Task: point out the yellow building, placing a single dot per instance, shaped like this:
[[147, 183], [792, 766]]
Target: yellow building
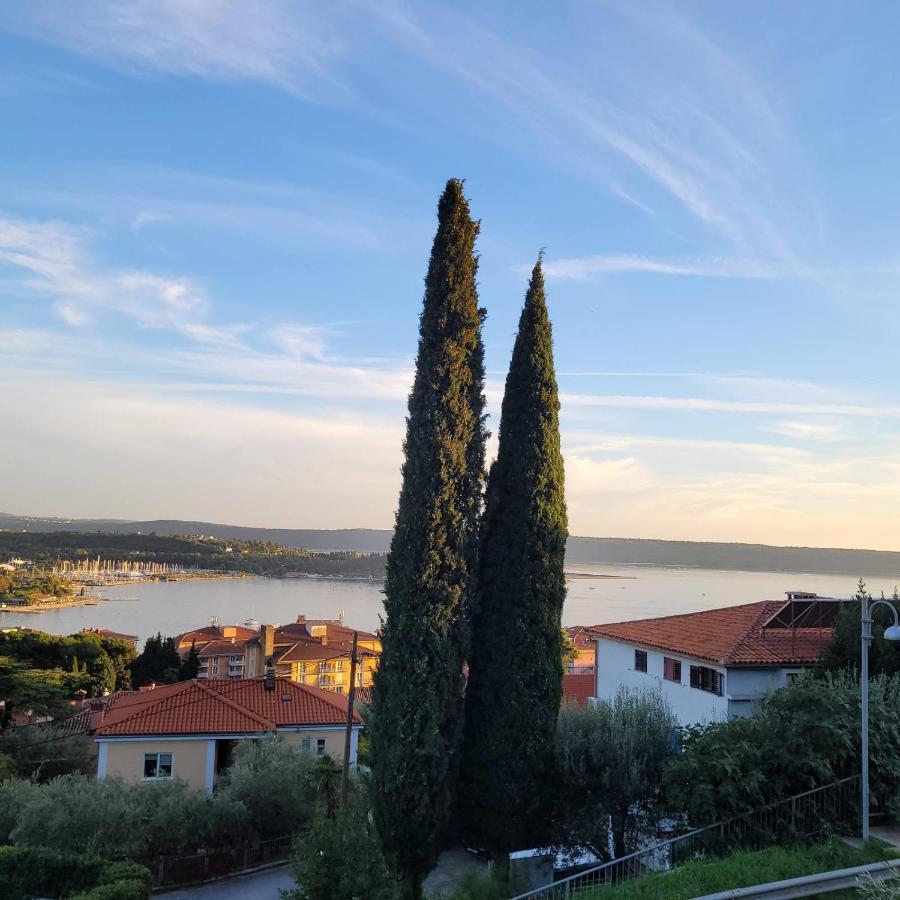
[[315, 652], [189, 730]]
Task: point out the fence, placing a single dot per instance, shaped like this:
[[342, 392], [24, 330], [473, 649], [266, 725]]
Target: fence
[[172, 871], [808, 815]]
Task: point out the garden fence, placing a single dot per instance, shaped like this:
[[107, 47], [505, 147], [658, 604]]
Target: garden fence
[[173, 871], [812, 814]]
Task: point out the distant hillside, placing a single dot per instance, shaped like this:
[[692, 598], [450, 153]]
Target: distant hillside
[[619, 551]]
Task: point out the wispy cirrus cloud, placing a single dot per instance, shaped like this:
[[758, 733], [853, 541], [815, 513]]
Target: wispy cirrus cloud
[[56, 262], [580, 268], [289, 44]]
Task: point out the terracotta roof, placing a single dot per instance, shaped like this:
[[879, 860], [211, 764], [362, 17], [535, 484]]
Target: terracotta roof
[[115, 635], [215, 633], [577, 688], [224, 647], [732, 635], [582, 636], [237, 706]]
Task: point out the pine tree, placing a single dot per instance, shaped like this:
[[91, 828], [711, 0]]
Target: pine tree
[[417, 704], [515, 677], [190, 667]]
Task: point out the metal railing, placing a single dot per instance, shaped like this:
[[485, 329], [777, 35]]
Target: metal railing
[[220, 862], [808, 815]]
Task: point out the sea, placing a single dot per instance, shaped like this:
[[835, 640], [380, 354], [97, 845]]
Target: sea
[[597, 594]]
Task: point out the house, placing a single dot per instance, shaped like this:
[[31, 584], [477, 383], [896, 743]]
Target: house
[[584, 640], [189, 730], [112, 635], [314, 652], [719, 663]]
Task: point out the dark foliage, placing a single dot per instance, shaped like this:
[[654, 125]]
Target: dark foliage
[[516, 668], [843, 652], [418, 695], [804, 736], [190, 666], [159, 662], [45, 872], [188, 551]]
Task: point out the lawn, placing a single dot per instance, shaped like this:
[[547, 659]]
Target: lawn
[[742, 870]]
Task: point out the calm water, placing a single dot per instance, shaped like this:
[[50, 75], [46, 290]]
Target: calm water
[[173, 607]]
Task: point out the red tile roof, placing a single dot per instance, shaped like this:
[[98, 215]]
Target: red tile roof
[[582, 636], [577, 688], [237, 706], [224, 647], [733, 635]]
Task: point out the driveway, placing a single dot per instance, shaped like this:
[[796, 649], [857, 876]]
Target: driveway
[[258, 886]]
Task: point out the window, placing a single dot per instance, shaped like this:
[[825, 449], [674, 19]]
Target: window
[[320, 747], [640, 660], [157, 765], [672, 669], [706, 679]]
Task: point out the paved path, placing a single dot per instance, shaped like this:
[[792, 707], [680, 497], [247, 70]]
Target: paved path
[[258, 886]]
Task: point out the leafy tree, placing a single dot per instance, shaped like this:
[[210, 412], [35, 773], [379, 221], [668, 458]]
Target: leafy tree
[[274, 782], [159, 662], [45, 692], [843, 651], [340, 857], [515, 672], [804, 736], [43, 752], [610, 764], [190, 667], [418, 694]]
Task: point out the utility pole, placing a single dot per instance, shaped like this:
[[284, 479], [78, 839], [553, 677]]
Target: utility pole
[[348, 735]]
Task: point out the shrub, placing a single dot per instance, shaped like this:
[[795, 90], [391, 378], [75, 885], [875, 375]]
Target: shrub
[[610, 760], [116, 818], [14, 797], [43, 871], [274, 783], [118, 890], [803, 736], [340, 857]]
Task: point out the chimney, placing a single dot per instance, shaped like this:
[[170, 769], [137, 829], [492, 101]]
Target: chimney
[[267, 640], [270, 674]]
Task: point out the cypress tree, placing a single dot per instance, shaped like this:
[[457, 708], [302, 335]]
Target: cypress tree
[[417, 702], [515, 677]]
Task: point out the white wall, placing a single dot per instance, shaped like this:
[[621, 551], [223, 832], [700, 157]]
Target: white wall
[[615, 668]]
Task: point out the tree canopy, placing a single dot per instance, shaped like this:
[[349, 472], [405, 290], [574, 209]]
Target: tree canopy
[[516, 669], [417, 704]]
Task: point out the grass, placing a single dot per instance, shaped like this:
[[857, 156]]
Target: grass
[[695, 879]]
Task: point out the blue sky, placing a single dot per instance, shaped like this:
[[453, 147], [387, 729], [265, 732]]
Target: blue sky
[[216, 218]]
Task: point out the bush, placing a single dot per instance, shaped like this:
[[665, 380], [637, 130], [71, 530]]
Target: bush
[[340, 857], [275, 783], [480, 887], [115, 818], [14, 797], [118, 890], [610, 761], [804, 736], [43, 871]]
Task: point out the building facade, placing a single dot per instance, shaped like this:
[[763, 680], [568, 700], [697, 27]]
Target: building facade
[[189, 730], [713, 665]]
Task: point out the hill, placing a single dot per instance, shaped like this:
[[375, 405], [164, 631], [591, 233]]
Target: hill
[[581, 550]]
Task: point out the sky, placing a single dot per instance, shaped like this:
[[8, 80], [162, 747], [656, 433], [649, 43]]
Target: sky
[[215, 219]]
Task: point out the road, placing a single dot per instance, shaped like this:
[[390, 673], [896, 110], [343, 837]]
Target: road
[[258, 886]]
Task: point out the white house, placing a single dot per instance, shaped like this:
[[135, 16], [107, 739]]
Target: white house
[[718, 663]]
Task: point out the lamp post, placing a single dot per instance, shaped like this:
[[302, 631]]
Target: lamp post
[[891, 633]]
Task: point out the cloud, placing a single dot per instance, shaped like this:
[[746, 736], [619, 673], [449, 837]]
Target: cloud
[[289, 44], [231, 461], [58, 264], [820, 432], [583, 267], [706, 404]]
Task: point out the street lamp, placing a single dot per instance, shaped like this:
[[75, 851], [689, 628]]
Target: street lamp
[[891, 633]]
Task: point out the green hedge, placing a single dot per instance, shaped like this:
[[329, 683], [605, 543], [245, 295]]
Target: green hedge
[[44, 872]]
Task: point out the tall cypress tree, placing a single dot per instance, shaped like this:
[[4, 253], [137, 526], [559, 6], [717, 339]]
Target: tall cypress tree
[[417, 702], [515, 677]]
